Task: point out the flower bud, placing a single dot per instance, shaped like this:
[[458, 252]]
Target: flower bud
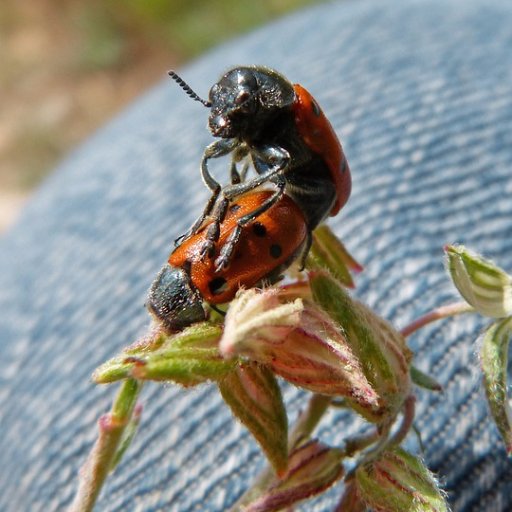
[[494, 356], [300, 343], [481, 283], [312, 468], [397, 482], [254, 396], [381, 350]]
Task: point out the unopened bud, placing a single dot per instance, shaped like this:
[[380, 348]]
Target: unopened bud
[[484, 285], [397, 482], [312, 468], [300, 343], [382, 351], [494, 355]]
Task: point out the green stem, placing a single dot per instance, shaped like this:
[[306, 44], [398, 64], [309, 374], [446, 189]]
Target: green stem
[[456, 308], [409, 411], [309, 419], [103, 454], [357, 444], [385, 441]]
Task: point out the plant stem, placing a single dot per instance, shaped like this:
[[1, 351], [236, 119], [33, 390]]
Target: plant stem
[[453, 309], [407, 422], [100, 460], [309, 419]]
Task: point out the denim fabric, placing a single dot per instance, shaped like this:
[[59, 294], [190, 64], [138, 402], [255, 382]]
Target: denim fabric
[[421, 94]]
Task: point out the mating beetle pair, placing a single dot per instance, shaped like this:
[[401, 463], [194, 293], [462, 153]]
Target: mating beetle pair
[[249, 233]]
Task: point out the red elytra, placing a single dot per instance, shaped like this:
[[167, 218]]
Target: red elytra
[[318, 133], [266, 247]]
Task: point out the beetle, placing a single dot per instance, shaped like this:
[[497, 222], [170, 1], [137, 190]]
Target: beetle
[[260, 117], [265, 248]]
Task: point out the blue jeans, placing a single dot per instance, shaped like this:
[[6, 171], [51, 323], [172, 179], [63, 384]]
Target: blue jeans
[[421, 95]]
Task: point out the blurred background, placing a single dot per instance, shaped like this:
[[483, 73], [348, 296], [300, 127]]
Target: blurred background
[[68, 65]]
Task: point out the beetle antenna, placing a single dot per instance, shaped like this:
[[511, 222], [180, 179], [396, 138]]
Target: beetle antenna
[[187, 88]]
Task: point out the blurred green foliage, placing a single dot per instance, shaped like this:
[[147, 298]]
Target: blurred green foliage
[[69, 65], [186, 27]]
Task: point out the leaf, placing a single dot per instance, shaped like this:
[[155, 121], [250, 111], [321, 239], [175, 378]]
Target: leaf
[[254, 396]]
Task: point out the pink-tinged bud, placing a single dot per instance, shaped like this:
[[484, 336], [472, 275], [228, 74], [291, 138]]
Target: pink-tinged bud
[[258, 315], [381, 350], [351, 500], [312, 468], [300, 343], [484, 285], [254, 396], [494, 356], [398, 482]]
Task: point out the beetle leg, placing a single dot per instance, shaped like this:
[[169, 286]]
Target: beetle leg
[[199, 221], [243, 172], [215, 150], [269, 162], [213, 232], [227, 250], [305, 250]]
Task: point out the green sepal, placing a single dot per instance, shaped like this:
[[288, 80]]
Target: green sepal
[[424, 380], [494, 356], [254, 397], [328, 253], [187, 358], [381, 350]]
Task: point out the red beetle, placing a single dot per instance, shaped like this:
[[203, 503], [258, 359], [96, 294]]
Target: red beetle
[[263, 119], [266, 247]]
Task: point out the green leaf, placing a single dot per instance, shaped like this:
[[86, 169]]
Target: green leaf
[[494, 355], [254, 396], [398, 481]]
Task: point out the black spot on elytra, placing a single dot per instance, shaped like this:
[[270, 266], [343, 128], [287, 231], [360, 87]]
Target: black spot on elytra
[[259, 229], [275, 251], [217, 285], [234, 207], [316, 108]]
